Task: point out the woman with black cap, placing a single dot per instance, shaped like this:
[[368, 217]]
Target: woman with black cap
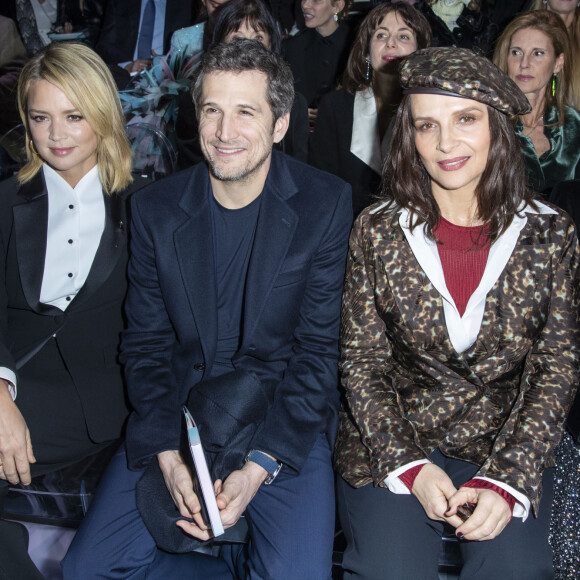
[[460, 346]]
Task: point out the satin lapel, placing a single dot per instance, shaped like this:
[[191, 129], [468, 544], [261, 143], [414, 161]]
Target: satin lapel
[[277, 223], [110, 250], [195, 255], [30, 227]]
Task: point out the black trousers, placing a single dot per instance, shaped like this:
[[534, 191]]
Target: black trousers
[[389, 537]]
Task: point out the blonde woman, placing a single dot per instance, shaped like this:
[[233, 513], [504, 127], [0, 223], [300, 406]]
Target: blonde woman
[[63, 253], [569, 12]]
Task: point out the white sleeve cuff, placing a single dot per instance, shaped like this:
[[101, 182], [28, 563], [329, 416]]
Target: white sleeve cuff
[[522, 505], [10, 378], [393, 482]]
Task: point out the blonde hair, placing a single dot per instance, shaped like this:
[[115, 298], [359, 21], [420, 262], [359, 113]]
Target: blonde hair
[[553, 27], [87, 83], [574, 34]]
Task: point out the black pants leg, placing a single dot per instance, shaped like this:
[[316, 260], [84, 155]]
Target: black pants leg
[[389, 537]]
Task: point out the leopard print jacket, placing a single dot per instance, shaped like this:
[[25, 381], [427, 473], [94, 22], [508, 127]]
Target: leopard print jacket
[[502, 403]]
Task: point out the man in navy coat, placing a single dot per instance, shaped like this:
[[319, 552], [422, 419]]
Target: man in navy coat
[[236, 270]]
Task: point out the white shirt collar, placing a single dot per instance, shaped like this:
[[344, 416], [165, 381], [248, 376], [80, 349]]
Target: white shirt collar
[[89, 182], [463, 330]]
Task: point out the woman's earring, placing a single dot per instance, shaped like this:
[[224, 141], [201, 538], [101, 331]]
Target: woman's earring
[[335, 17], [554, 82], [32, 148], [368, 73], [545, 3]]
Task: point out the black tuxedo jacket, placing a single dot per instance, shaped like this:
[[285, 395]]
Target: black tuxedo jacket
[[290, 316], [88, 332]]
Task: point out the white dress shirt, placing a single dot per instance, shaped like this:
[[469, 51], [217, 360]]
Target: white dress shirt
[[76, 219]]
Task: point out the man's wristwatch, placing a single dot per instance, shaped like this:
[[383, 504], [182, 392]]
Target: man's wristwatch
[[265, 461]]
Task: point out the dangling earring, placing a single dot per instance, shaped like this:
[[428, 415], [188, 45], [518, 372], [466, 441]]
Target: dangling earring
[[368, 73], [335, 16], [554, 81], [32, 148], [545, 3]]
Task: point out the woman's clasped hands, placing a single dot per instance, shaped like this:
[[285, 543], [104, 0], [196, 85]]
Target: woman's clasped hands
[[441, 499]]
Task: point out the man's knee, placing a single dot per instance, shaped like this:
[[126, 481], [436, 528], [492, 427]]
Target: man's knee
[[296, 569], [79, 562]]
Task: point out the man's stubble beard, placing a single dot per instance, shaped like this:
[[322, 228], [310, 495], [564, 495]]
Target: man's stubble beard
[[242, 174]]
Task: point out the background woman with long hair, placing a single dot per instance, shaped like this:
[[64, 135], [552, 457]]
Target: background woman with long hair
[[349, 137]]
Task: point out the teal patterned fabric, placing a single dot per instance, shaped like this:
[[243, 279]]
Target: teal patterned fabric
[[562, 161], [153, 98]]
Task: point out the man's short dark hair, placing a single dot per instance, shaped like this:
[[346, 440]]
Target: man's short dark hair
[[242, 54]]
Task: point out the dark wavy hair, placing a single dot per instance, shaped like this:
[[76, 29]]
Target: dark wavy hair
[[255, 13], [354, 77], [500, 192]]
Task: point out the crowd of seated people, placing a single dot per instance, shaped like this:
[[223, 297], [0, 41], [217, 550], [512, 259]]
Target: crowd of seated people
[[345, 59]]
